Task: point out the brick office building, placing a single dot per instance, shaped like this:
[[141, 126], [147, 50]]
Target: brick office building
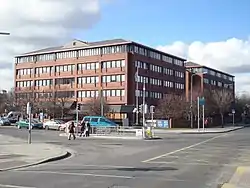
[[80, 70], [206, 78]]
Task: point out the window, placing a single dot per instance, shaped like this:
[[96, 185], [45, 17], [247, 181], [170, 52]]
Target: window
[[155, 95], [168, 84], [167, 59], [42, 70], [94, 119], [179, 62], [88, 80], [113, 64], [24, 72], [141, 79], [65, 68], [28, 83], [87, 94], [64, 81], [179, 86], [114, 93], [48, 82], [155, 81], [142, 65], [113, 78], [205, 80], [155, 68], [168, 71], [179, 74], [114, 49]]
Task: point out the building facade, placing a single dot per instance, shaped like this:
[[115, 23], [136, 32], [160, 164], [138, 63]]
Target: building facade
[[81, 71], [206, 78]]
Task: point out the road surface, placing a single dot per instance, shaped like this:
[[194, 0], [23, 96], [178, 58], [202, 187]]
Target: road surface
[[176, 161]]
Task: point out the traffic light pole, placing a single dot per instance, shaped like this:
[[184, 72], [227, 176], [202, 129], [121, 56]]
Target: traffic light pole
[[77, 116]]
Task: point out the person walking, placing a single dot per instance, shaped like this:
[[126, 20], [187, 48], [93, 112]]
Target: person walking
[[82, 129], [72, 131], [88, 129]]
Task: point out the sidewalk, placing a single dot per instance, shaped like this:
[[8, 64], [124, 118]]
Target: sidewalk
[[189, 131], [240, 179], [16, 153]]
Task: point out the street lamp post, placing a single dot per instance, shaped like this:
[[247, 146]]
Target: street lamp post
[[137, 96]]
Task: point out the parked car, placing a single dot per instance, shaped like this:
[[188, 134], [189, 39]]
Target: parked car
[[99, 121], [53, 124], [25, 124], [4, 121]]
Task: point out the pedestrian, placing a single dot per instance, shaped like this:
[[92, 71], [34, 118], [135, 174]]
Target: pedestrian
[[71, 131], [88, 129], [82, 133]]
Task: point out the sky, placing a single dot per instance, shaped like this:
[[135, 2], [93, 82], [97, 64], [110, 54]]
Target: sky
[[214, 33]]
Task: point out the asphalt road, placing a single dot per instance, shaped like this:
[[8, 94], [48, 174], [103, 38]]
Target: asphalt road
[[176, 161]]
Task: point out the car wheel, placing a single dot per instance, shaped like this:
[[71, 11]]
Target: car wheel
[[46, 127]]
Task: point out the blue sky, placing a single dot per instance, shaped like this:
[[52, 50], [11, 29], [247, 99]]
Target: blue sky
[[165, 21]]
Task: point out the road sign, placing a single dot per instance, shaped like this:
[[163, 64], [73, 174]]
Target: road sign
[[163, 123], [233, 111], [201, 101]]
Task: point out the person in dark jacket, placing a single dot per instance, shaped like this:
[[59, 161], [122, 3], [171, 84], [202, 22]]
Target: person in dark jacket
[[88, 129], [72, 131], [82, 129]]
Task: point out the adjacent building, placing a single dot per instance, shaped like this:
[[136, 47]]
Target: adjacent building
[[203, 77], [82, 70]]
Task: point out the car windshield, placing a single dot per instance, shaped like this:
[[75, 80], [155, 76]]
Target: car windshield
[[34, 121]]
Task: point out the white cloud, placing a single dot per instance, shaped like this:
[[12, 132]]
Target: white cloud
[[232, 56], [35, 24]]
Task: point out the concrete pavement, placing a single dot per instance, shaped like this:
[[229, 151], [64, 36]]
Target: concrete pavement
[[240, 179], [175, 161], [16, 153]]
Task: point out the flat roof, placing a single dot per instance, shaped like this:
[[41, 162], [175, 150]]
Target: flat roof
[[86, 45]]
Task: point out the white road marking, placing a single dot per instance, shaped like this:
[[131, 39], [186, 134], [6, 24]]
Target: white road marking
[[192, 163], [14, 186], [81, 174], [182, 149], [89, 165]]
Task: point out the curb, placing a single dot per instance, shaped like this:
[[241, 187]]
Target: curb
[[232, 183], [228, 185], [52, 159], [227, 131]]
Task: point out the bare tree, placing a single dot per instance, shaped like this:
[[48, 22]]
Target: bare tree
[[221, 99], [94, 106], [172, 106]]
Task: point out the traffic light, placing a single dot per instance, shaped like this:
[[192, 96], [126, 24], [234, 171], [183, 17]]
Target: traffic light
[[78, 106]]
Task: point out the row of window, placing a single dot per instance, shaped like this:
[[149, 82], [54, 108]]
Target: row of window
[[159, 82], [213, 73], [100, 51], [88, 80], [151, 94], [215, 83], [113, 78], [69, 68], [179, 74], [159, 69], [24, 71]]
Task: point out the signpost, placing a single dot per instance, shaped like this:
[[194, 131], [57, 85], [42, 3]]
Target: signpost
[[29, 115], [198, 110], [201, 101], [233, 112]]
